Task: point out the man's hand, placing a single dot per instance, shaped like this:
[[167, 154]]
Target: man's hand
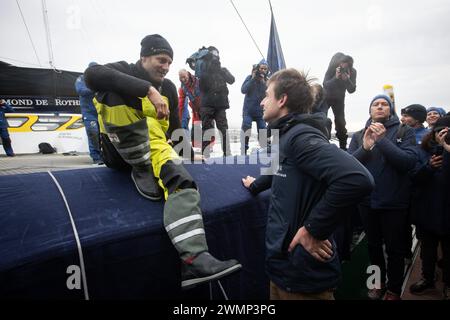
[[345, 76], [378, 129], [338, 73], [374, 132], [322, 250], [199, 157], [162, 109], [247, 181], [436, 161], [368, 140], [441, 138]]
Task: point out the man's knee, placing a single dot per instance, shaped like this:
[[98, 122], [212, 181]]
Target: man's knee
[[175, 177]]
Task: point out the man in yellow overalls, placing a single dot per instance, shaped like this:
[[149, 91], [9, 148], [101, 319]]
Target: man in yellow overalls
[[133, 102]]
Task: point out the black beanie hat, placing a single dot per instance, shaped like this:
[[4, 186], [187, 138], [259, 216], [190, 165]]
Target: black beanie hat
[[417, 111], [441, 123], [155, 44]]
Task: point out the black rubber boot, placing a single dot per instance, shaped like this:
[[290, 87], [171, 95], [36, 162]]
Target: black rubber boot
[[132, 143], [205, 268]]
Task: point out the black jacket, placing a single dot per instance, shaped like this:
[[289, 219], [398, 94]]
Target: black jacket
[[335, 88], [131, 81], [430, 205], [313, 184], [213, 86], [389, 163]]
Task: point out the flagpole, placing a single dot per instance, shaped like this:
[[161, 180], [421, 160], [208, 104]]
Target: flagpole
[[275, 57], [247, 29]]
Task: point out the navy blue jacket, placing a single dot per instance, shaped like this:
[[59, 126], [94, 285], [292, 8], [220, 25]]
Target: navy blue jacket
[[431, 200], [86, 104], [314, 182], [388, 162], [4, 108], [255, 91]]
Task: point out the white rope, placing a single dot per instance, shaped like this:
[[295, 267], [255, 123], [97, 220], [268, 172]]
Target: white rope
[[77, 238], [210, 291], [223, 291], [221, 288]]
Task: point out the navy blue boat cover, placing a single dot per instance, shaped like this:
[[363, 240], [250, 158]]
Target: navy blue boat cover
[[126, 250]]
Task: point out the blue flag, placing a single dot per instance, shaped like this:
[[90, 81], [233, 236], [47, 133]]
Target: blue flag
[[275, 58]]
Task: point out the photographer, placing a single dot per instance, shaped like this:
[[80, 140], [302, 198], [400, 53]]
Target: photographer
[[430, 205], [340, 76], [254, 88]]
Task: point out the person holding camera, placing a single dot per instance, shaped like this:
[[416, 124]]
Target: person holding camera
[[340, 77], [431, 204], [254, 88]]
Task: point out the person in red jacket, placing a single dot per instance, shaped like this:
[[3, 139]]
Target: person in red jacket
[[189, 94]]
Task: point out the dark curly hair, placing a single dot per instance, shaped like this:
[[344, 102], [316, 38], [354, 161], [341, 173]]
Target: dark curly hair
[[296, 86]]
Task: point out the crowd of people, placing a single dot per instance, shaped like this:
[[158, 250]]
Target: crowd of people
[[394, 173]]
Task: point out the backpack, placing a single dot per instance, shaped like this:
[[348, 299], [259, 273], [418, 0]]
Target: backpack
[[46, 148], [197, 61]]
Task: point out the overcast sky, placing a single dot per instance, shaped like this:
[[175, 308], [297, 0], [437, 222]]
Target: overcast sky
[[403, 43]]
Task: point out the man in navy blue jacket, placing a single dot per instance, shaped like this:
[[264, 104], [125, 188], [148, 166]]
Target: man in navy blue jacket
[[314, 184], [90, 117], [388, 156], [254, 88], [4, 134]]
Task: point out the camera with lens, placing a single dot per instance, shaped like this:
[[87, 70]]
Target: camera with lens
[[447, 135], [343, 70], [255, 69], [439, 151], [447, 138]]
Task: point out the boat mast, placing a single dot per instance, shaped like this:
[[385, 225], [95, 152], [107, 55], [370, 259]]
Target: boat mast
[[47, 32]]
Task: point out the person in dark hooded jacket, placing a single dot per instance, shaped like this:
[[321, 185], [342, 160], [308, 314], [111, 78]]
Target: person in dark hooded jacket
[[254, 88], [314, 184], [388, 156], [340, 77], [431, 206]]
